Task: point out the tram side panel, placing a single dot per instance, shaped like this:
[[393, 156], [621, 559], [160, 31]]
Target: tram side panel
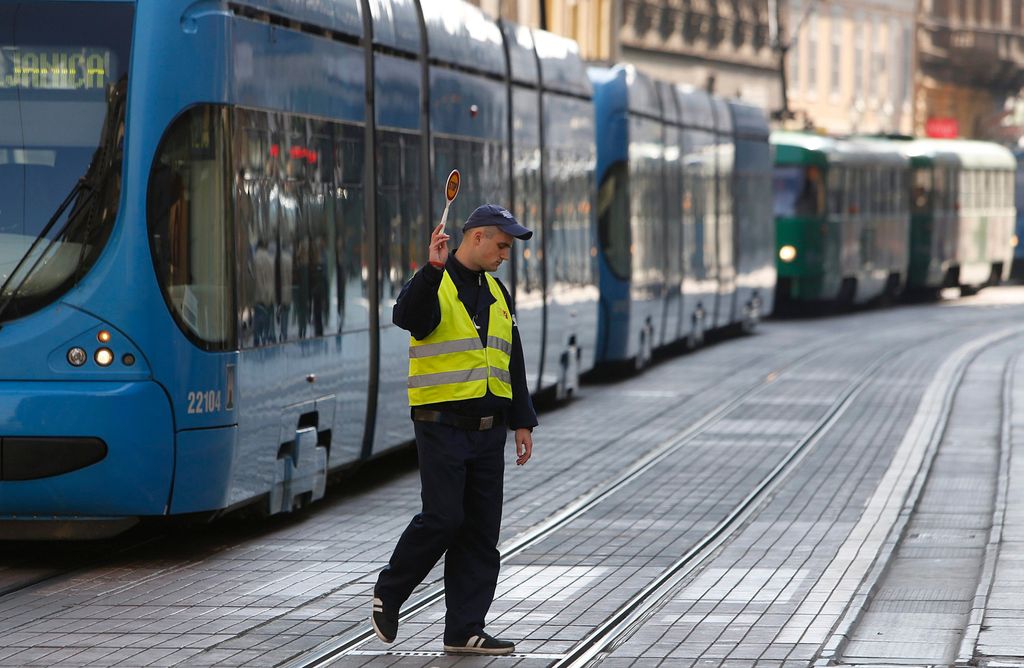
[[755, 233], [302, 239], [184, 191], [527, 208], [725, 311], [569, 250], [402, 232], [700, 262], [614, 235], [671, 327]]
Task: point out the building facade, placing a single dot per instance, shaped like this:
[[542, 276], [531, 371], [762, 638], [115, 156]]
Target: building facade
[[724, 46], [850, 65], [971, 68]]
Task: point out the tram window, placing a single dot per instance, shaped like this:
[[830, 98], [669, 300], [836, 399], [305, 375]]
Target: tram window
[[953, 193], [940, 190], [398, 210], [527, 189], [189, 209], [836, 190], [895, 191], [922, 191], [352, 274], [613, 219], [798, 191], [967, 190]]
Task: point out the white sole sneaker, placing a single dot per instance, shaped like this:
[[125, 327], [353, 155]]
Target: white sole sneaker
[[477, 645]]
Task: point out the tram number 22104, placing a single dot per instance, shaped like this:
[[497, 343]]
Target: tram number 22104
[[203, 402]]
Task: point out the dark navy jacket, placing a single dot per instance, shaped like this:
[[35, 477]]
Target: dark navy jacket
[[418, 311]]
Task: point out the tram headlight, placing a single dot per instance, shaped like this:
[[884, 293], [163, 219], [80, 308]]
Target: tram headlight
[[104, 357], [787, 253], [1014, 241], [103, 336], [77, 356]]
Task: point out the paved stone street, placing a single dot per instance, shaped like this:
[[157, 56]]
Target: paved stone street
[[837, 490]]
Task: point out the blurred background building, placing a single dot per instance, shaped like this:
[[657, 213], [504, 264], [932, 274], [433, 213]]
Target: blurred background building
[[971, 71], [935, 67]]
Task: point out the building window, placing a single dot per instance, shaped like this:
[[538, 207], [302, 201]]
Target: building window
[[837, 49], [812, 52], [858, 56], [897, 75], [878, 58]]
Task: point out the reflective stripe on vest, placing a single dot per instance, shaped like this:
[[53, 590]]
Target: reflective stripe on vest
[[451, 364]]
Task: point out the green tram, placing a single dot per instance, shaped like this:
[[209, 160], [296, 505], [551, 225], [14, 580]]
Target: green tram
[[962, 213], [842, 219], [985, 212], [861, 218]]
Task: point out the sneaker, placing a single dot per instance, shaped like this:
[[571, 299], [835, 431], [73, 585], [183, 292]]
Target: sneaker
[[385, 622], [481, 644]]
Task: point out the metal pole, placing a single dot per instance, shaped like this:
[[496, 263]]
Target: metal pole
[[780, 45]]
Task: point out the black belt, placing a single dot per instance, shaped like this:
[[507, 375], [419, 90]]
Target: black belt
[[460, 421]]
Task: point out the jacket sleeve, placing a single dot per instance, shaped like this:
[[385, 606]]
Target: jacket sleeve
[[418, 310], [521, 414]]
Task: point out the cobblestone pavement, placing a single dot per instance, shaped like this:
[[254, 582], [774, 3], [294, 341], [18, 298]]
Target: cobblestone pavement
[[801, 578]]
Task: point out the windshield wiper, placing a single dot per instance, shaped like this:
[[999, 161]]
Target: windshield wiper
[[6, 298]]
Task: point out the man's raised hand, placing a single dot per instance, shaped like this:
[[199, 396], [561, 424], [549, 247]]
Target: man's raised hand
[[439, 245]]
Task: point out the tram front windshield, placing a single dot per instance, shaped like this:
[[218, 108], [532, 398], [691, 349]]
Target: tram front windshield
[[63, 81], [799, 192]]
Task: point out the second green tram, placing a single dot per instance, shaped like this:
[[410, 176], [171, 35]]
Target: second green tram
[[962, 210]]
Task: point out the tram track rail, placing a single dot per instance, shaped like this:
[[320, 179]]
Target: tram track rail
[[11, 583], [636, 610]]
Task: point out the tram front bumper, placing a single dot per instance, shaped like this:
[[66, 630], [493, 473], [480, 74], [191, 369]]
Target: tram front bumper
[[84, 450]]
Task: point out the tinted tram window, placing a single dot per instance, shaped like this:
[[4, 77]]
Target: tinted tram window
[[63, 83], [836, 190], [922, 191], [399, 210], [189, 207], [799, 191], [302, 271], [613, 219]]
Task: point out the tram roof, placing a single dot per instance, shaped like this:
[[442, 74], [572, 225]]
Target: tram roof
[[802, 147], [462, 34], [749, 121], [643, 94], [344, 17], [669, 103], [561, 68], [522, 57], [811, 148], [696, 107], [971, 153], [396, 24]]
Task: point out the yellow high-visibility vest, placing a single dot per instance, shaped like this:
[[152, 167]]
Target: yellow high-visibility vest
[[451, 364]]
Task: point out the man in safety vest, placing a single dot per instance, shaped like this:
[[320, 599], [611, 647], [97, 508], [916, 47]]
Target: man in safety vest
[[467, 383]]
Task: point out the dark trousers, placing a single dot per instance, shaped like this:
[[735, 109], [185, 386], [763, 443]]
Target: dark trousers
[[462, 474]]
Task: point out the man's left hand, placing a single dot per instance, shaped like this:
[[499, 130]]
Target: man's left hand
[[524, 446]]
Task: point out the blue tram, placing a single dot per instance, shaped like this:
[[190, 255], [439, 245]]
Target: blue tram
[[683, 178], [205, 223]]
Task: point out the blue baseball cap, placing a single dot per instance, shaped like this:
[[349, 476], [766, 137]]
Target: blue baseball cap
[[492, 215]]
